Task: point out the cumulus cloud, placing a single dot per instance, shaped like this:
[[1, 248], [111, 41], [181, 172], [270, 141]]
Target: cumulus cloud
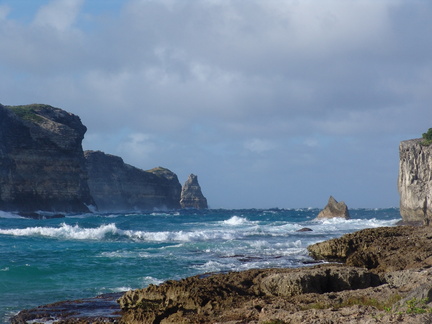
[[58, 14]]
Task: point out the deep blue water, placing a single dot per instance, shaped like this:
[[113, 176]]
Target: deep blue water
[[43, 261]]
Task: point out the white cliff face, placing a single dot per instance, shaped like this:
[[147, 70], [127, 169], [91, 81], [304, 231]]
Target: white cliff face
[[415, 181]]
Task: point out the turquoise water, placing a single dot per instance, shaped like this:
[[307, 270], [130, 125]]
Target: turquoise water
[[43, 261]]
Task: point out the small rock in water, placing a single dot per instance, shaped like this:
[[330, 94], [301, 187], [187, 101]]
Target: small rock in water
[[305, 229]]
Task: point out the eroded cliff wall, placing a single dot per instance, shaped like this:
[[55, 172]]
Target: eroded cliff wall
[[415, 181], [41, 160], [117, 186]]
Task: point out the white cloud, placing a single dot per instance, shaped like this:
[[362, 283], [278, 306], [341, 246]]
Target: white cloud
[[4, 11], [258, 145], [137, 146], [59, 14]]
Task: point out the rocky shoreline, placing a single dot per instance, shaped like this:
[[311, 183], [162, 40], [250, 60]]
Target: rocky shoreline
[[383, 275]]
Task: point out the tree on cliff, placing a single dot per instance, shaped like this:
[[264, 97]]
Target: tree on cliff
[[427, 137]]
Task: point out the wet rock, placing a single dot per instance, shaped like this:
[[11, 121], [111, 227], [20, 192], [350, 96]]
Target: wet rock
[[102, 309], [305, 229]]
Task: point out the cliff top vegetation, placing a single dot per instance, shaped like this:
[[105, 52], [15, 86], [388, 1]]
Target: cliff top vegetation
[[28, 112], [427, 138]]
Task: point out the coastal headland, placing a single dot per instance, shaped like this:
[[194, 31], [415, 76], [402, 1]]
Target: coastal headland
[[43, 169], [380, 275]]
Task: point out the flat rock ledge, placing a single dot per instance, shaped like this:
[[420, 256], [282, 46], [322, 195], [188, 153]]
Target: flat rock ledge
[[384, 275]]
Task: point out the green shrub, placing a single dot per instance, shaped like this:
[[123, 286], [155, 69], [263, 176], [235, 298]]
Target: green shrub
[[427, 138], [28, 112], [417, 306]]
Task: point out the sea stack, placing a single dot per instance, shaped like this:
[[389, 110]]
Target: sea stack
[[334, 209], [42, 160], [191, 195], [415, 181]]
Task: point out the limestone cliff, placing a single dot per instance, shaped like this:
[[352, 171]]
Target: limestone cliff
[[191, 195], [117, 186], [415, 181], [41, 160]]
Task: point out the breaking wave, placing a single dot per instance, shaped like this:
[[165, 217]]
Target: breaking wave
[[111, 232]]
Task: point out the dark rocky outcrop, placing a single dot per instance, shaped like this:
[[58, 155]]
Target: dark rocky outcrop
[[334, 209], [191, 195], [415, 181], [41, 160], [117, 186]]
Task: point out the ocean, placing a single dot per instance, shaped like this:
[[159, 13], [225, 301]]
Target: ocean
[[81, 256]]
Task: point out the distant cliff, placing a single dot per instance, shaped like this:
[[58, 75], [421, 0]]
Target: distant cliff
[[415, 181], [117, 186], [43, 168], [191, 195], [41, 160]]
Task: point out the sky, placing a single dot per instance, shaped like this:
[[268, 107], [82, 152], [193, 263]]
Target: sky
[[273, 104]]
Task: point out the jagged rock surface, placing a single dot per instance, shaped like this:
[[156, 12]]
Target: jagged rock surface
[[191, 195], [334, 209], [382, 249], [41, 160], [415, 181], [117, 186]]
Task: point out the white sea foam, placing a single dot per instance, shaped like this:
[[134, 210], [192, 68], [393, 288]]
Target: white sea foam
[[236, 221], [126, 254], [181, 236], [4, 214], [148, 280], [107, 231], [65, 231]]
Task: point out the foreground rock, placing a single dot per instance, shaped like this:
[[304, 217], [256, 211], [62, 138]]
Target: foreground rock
[[117, 186], [41, 160], [334, 209], [415, 181], [384, 249], [391, 289], [191, 195]]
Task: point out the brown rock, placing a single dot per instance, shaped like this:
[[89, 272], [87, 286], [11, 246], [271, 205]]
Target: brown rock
[[382, 249], [334, 209]]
